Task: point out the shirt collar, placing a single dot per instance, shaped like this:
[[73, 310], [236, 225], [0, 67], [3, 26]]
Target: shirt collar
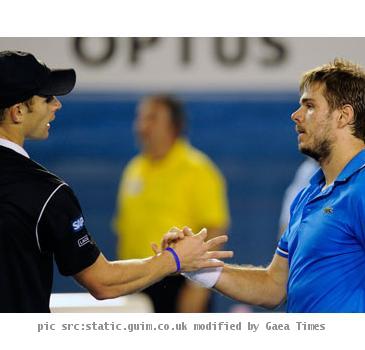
[[317, 178], [355, 164], [13, 146]]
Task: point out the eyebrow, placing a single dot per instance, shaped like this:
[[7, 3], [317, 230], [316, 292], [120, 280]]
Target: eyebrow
[[306, 100]]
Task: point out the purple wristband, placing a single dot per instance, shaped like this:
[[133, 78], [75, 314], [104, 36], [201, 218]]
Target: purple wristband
[[177, 260]]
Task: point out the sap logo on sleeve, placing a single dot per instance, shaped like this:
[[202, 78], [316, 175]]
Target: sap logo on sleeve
[[78, 224]]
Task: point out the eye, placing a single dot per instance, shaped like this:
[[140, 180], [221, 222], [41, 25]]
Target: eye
[[48, 98]]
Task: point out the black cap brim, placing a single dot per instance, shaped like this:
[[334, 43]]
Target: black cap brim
[[60, 82]]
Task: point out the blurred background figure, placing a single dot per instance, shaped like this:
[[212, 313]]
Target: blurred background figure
[[301, 179], [170, 183]]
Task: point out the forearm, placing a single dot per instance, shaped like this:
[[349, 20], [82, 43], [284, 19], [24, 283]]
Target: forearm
[[117, 278], [250, 285], [134, 275], [105, 279]]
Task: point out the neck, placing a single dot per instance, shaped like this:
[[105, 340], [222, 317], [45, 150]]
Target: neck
[[159, 150], [6, 134], [339, 158]]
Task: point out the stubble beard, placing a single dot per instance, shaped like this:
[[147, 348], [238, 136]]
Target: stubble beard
[[320, 152], [322, 148]]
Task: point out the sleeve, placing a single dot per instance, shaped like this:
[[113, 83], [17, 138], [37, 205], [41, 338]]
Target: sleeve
[[210, 197], [282, 247], [62, 228]]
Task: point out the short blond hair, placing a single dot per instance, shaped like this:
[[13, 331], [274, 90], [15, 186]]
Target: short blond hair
[[344, 83]]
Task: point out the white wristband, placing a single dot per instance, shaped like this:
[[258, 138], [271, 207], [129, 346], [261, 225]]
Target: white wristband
[[205, 277]]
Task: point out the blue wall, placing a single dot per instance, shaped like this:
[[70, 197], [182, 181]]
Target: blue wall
[[250, 137]]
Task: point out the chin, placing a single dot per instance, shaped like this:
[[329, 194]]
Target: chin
[[310, 153], [302, 148], [38, 137]]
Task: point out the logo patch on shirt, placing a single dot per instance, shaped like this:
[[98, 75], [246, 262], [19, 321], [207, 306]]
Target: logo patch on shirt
[[328, 210], [134, 187], [78, 224], [83, 240]]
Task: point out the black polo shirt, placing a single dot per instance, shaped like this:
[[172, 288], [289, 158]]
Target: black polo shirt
[[40, 219]]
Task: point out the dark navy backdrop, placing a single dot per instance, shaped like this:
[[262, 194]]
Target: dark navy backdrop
[[249, 135]]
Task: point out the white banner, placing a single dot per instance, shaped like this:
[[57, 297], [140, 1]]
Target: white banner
[[139, 64], [182, 331]]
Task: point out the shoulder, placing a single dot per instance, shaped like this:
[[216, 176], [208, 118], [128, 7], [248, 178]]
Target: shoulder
[[36, 181], [61, 202], [23, 170], [351, 192], [357, 184], [133, 165], [202, 171], [198, 160], [134, 162], [46, 184]]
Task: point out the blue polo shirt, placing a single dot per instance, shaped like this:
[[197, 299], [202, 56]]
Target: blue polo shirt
[[325, 243]]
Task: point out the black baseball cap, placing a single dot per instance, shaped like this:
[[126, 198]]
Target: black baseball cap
[[23, 76]]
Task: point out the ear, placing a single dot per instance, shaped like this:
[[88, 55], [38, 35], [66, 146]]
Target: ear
[[16, 113], [346, 116]]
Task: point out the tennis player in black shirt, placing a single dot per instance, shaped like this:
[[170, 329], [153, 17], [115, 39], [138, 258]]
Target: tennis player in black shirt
[[40, 217]]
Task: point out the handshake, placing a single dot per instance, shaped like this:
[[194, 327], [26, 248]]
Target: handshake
[[197, 259]]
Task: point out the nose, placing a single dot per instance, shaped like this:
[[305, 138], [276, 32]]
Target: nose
[[56, 104], [297, 115]]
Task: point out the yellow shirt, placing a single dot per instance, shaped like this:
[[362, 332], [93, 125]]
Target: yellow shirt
[[183, 188]]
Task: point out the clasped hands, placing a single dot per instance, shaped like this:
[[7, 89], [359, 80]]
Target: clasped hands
[[193, 251]]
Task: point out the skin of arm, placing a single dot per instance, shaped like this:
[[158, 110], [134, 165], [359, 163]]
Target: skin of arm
[[256, 286], [109, 279], [251, 285], [193, 298]]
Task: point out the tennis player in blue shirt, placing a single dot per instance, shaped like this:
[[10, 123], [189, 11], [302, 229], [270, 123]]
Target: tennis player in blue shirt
[[319, 265]]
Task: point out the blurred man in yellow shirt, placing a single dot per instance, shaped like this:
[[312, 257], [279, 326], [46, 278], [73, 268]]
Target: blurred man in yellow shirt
[[153, 192]]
